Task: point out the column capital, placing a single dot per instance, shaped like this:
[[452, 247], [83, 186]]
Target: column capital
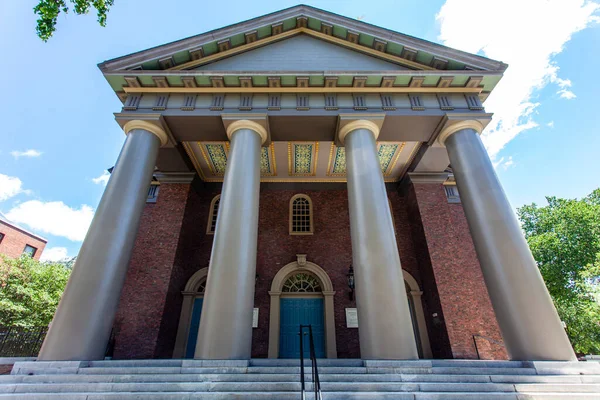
[[256, 122], [147, 126], [350, 122], [456, 126]]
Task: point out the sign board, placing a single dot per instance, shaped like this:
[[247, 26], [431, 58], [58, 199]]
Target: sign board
[[255, 318], [351, 318]]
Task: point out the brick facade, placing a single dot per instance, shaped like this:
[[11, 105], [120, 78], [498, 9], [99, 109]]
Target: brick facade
[[452, 265], [14, 241], [433, 242]]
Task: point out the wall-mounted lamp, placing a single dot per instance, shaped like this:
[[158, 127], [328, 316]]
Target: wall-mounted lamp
[[350, 276]]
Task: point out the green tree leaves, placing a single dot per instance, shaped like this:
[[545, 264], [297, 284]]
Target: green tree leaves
[[30, 291], [564, 237], [49, 10]]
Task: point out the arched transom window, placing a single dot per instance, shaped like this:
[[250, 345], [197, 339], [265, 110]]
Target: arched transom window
[[212, 216], [301, 219], [201, 287], [301, 283]]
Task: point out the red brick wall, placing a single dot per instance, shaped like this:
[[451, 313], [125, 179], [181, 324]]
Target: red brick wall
[[145, 291], [15, 240], [433, 241], [5, 369], [465, 303]]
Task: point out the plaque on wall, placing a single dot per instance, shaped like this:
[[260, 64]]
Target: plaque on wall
[[255, 318], [351, 318]]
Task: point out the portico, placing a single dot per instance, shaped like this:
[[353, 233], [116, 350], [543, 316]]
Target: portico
[[348, 150]]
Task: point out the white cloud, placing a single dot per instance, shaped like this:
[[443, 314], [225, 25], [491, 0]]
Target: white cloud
[[26, 153], [10, 186], [524, 34], [54, 254], [102, 179], [54, 218], [503, 162], [550, 124]]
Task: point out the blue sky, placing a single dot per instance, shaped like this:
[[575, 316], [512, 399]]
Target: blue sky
[[58, 132]]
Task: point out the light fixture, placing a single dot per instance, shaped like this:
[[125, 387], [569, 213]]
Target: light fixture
[[350, 276]]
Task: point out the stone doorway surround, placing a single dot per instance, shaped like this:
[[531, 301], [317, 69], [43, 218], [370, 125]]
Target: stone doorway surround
[[415, 294], [301, 265], [190, 293]]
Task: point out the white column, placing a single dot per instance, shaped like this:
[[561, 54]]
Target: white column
[[81, 326], [226, 322], [529, 323], [384, 323]]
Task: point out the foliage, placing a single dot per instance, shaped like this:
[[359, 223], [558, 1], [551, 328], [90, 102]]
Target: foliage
[[30, 291], [49, 10], [564, 237]]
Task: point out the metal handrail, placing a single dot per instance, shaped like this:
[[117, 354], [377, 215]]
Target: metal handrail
[[313, 358], [486, 338]]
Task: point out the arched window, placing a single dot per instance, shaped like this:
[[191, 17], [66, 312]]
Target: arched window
[[301, 283], [301, 215], [212, 216]]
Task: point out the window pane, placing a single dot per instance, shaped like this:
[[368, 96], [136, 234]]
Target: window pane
[[29, 250]]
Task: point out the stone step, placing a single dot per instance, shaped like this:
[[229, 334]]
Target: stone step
[[413, 378], [296, 396], [477, 363], [295, 387], [483, 371], [321, 362]]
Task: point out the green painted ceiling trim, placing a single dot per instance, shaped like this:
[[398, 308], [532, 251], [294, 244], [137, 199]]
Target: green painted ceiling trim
[[116, 82], [287, 80], [316, 80], [402, 80], [314, 24], [459, 80], [394, 49], [203, 80], [455, 65], [181, 57], [210, 48], [489, 82], [260, 81], [237, 40], [151, 65], [174, 80], [366, 40], [340, 32], [424, 58], [231, 80], [146, 80], [289, 23], [431, 80], [345, 80], [373, 80], [263, 32]]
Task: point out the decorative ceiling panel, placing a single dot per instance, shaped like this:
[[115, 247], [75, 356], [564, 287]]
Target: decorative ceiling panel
[[210, 160], [302, 158]]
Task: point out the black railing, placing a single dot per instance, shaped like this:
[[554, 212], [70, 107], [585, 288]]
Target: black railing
[[21, 342], [486, 338], [313, 358]]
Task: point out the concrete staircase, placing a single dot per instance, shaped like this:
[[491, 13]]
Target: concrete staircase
[[280, 379]]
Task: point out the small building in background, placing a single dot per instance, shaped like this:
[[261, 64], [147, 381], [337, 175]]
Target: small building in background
[[15, 241]]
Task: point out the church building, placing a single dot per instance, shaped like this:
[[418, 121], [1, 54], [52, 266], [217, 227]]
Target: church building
[[304, 168]]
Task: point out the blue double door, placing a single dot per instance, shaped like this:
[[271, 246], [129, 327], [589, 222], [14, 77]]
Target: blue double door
[[194, 325], [296, 312]]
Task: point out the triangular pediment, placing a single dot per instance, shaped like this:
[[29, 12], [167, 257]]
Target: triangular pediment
[[301, 53]]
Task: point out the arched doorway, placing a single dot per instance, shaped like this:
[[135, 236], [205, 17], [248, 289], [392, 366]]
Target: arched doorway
[[301, 293], [189, 320], [417, 315]]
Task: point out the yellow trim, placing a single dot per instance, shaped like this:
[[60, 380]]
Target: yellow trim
[[396, 157], [409, 160], [358, 124], [192, 156], [332, 39], [452, 129], [294, 89], [149, 127], [247, 124]]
